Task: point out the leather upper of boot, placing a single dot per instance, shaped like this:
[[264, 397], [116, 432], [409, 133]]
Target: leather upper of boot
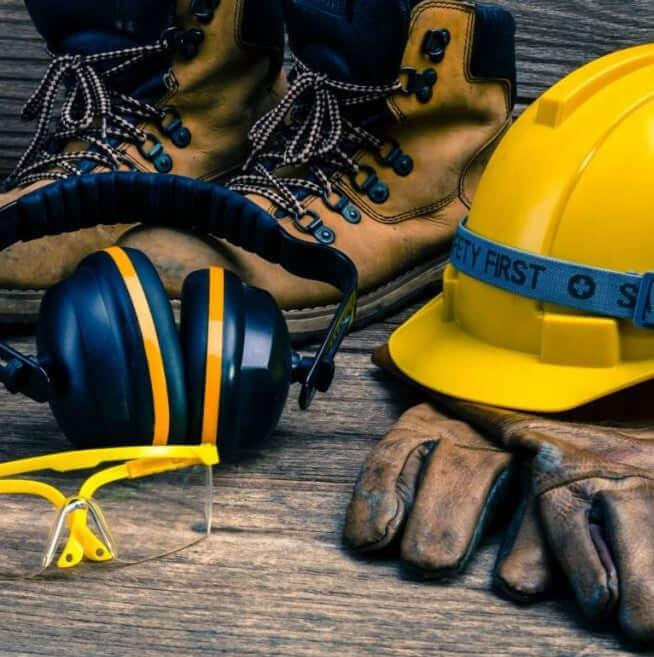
[[439, 79], [156, 86]]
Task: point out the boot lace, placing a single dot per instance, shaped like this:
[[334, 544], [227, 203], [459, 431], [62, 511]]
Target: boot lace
[[309, 128], [92, 112]]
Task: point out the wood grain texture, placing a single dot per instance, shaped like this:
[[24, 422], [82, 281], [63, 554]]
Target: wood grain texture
[[274, 578]]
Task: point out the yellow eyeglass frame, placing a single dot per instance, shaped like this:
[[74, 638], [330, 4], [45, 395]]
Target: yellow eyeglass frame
[[138, 462]]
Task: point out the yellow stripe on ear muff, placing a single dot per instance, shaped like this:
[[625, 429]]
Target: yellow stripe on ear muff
[[151, 345], [214, 365]]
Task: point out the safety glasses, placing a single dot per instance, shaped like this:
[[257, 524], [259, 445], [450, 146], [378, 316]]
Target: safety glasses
[[153, 502]]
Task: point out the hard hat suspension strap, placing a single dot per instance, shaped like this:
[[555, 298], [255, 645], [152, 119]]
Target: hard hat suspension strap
[[591, 289]]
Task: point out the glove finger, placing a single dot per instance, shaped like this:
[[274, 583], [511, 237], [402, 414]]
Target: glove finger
[[384, 492], [387, 482], [565, 517], [628, 516], [523, 570], [456, 498]]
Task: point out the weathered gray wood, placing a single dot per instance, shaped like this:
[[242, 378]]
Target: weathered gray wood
[[274, 578]]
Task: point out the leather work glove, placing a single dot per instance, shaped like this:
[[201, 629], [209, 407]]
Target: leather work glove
[[591, 475], [436, 483], [594, 486]]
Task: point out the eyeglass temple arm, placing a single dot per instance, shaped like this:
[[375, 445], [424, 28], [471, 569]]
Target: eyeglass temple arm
[[23, 374], [34, 488], [204, 454], [133, 470]]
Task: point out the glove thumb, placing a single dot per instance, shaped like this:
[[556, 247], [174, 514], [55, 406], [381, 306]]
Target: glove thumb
[[523, 570]]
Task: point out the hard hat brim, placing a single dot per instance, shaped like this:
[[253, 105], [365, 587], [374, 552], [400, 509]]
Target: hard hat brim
[[438, 355]]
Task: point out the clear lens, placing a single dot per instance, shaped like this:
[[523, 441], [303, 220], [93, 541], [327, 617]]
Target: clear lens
[[25, 524], [158, 514], [127, 521]]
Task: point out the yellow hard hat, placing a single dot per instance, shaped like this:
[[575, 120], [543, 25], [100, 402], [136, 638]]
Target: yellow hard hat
[[547, 303]]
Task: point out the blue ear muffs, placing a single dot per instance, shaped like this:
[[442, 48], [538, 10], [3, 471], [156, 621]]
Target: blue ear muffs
[[91, 337], [237, 354], [110, 360], [108, 336]]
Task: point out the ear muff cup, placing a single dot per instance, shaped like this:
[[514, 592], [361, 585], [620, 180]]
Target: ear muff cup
[[90, 340], [255, 361]]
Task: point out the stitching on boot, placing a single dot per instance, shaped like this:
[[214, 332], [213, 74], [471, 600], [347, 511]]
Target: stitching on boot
[[239, 10], [403, 216]]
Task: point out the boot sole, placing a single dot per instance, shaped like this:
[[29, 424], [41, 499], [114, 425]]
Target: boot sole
[[21, 307], [308, 323]]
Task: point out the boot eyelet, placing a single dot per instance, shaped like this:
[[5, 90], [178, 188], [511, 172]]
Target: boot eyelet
[[343, 206], [315, 227], [420, 84], [172, 37], [370, 181], [351, 214], [435, 43], [403, 166], [204, 10], [186, 42], [429, 77], [424, 94], [156, 154], [188, 50], [390, 155], [393, 151], [196, 36], [337, 205], [182, 137], [189, 43], [325, 235], [163, 163], [174, 129], [156, 150], [379, 193]]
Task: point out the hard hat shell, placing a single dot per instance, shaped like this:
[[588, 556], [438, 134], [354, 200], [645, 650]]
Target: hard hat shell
[[574, 180]]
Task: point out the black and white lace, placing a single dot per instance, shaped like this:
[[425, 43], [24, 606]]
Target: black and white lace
[[309, 129], [92, 112]]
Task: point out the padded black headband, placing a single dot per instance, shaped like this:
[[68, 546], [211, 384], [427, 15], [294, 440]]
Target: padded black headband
[[168, 200]]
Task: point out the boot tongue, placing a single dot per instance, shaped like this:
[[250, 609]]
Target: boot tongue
[[71, 25], [360, 41], [87, 27]]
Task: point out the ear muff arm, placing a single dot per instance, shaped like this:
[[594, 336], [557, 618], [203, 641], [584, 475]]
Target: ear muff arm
[[164, 199], [23, 375]]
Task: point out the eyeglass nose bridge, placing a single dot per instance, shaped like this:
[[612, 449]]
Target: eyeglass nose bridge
[[82, 541]]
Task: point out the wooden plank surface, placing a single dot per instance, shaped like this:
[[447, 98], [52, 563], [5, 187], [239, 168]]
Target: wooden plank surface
[[274, 578]]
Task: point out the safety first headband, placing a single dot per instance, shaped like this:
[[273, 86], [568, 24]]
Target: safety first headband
[[592, 289]]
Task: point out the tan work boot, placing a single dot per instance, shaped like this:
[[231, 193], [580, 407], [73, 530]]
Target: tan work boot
[[393, 111], [152, 85]]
